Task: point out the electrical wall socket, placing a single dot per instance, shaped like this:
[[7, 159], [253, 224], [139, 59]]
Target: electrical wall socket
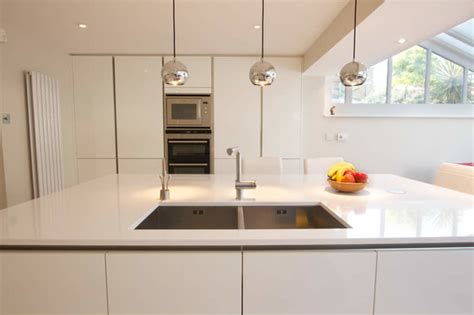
[[329, 137], [6, 119], [341, 136]]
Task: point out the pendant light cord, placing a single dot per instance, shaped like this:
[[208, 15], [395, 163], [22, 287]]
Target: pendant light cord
[[174, 30], [355, 33], [263, 27]]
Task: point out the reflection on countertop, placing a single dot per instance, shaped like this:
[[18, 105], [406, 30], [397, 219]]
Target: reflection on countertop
[[391, 211]]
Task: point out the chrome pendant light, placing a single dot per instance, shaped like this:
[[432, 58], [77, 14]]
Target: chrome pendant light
[[262, 73], [174, 72], [354, 73]]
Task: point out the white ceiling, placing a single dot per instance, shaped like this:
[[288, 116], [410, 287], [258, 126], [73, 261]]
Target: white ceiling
[[144, 26], [377, 36]]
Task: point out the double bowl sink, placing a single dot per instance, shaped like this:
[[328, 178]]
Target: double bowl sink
[[240, 217]]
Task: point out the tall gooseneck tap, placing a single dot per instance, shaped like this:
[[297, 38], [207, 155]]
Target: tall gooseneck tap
[[239, 184]]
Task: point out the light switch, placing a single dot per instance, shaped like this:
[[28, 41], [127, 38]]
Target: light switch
[[329, 137]]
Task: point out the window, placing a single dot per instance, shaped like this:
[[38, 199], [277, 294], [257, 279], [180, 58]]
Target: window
[[470, 87], [438, 71], [446, 81], [408, 76], [338, 91], [374, 90]]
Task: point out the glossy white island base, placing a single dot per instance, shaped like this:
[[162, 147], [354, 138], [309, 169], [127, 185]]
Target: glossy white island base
[[409, 250]]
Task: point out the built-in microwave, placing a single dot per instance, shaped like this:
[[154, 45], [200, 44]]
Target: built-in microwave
[[188, 111]]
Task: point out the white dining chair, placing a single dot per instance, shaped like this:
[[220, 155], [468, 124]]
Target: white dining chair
[[320, 165], [456, 177], [263, 165]]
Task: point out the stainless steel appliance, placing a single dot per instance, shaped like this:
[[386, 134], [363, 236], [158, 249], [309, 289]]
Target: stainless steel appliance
[[188, 111], [188, 134]]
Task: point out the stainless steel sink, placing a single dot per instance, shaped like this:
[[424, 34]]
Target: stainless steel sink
[[190, 218], [246, 217], [290, 217]]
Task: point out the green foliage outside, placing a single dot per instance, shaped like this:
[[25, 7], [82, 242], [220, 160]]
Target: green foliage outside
[[408, 76], [446, 81]]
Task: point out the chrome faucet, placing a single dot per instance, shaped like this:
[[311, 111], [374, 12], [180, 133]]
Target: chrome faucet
[[240, 185]]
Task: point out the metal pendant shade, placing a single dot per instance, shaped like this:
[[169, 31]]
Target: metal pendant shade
[[353, 73], [174, 72], [262, 73]]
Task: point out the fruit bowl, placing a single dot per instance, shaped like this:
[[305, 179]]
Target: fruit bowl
[[346, 187]]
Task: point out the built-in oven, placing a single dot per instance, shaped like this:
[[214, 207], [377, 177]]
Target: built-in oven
[[189, 151], [188, 111]]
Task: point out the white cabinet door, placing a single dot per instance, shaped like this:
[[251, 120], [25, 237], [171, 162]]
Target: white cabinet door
[[40, 282], [282, 110], [308, 282], [425, 282], [94, 106], [174, 282], [140, 166], [139, 99], [200, 75], [236, 107], [89, 169]]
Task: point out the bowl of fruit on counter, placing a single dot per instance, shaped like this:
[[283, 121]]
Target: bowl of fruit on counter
[[344, 177]]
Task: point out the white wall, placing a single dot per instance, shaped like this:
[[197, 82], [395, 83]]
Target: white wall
[[30, 49], [410, 147]]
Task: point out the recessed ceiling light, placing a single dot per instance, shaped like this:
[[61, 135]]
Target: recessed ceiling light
[[402, 40], [82, 25], [257, 27]]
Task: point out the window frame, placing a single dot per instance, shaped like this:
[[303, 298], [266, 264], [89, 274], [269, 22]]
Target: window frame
[[389, 109]]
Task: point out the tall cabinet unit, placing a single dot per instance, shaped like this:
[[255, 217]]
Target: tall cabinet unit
[[94, 114], [282, 113], [139, 105], [200, 75], [236, 111]]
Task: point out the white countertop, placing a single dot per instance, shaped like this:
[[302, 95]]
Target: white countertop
[[102, 213]]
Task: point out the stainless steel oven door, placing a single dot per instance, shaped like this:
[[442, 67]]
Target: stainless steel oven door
[[183, 112]]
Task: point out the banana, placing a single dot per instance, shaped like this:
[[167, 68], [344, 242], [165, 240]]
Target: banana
[[333, 170]]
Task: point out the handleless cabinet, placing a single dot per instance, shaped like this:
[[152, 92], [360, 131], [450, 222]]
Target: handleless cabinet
[[282, 110], [94, 106], [139, 101], [236, 107], [425, 282], [174, 282], [308, 282], [50, 283], [200, 75]]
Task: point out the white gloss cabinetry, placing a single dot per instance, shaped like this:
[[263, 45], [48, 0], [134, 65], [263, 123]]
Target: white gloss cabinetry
[[282, 110], [94, 106], [308, 282], [89, 169], [140, 166], [425, 282], [139, 101], [199, 282], [94, 116], [42, 282], [200, 75], [236, 107]]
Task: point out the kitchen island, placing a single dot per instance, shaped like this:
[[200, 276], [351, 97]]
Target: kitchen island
[[406, 247]]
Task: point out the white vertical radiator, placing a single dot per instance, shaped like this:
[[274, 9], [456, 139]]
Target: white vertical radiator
[[45, 133]]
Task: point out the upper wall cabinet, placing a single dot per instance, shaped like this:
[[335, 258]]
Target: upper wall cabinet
[[139, 100], [282, 110], [236, 107], [94, 106], [200, 76]]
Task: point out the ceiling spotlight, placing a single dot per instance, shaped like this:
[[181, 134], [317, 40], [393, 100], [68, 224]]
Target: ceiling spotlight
[[257, 27], [402, 40], [82, 25]]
